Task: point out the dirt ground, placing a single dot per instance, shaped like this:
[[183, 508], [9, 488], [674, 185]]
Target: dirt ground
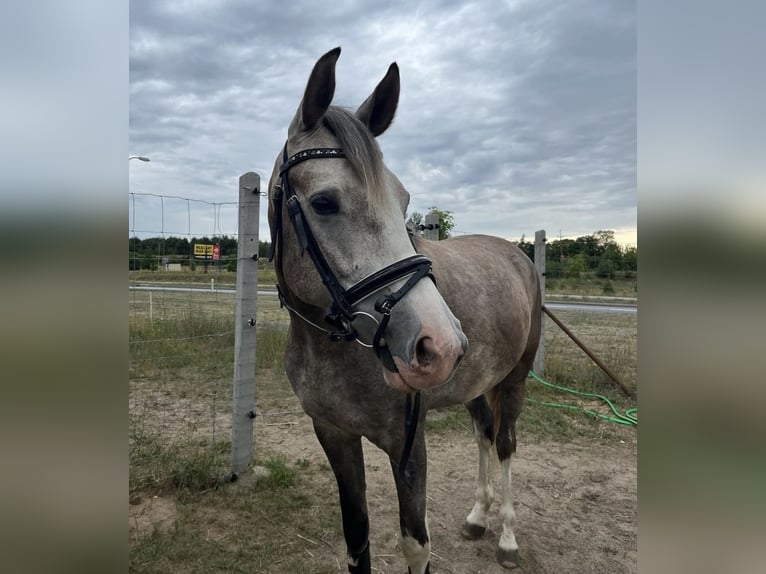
[[576, 503]]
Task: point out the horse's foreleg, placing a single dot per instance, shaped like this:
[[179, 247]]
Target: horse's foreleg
[[510, 399], [476, 522], [344, 452], [413, 516], [508, 549]]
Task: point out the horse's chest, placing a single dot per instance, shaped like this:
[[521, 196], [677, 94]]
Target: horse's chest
[[339, 384]]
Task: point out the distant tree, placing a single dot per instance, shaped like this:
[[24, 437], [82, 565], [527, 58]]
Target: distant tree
[[527, 247], [610, 255], [604, 237], [630, 261], [576, 265], [597, 253], [589, 246], [228, 246]]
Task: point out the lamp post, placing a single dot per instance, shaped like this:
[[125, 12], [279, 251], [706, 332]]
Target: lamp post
[[141, 158]]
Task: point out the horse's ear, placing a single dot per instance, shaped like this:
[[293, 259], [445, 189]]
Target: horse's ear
[[318, 95], [377, 111]]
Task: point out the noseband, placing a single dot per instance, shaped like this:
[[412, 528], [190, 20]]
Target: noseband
[[341, 313]]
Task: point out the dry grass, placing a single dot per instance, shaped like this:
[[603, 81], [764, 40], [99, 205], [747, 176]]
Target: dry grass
[[590, 285], [612, 338]]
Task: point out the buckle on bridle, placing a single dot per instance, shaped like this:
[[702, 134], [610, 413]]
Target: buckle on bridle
[[344, 330], [384, 305], [293, 206], [336, 336]]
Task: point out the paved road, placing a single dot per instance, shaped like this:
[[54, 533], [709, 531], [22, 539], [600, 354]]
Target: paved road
[[554, 306], [592, 307]]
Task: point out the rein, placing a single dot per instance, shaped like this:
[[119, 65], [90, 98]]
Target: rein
[[341, 314]]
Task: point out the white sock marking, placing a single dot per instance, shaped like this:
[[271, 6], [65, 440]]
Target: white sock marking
[[417, 555], [484, 493], [507, 514]]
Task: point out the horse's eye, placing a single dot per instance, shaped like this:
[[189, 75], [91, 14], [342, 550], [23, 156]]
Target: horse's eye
[[324, 205]]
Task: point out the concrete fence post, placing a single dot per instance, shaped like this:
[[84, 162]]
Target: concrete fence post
[[539, 365], [243, 402], [431, 223]]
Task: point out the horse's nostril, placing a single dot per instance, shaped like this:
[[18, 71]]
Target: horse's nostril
[[424, 352]]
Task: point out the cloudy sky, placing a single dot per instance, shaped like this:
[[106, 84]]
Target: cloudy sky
[[514, 115]]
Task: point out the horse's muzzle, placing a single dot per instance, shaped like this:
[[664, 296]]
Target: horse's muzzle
[[435, 357]]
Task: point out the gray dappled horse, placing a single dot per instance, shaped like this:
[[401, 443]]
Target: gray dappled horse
[[414, 305]]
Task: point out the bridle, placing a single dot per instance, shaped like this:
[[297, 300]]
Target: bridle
[[341, 314]]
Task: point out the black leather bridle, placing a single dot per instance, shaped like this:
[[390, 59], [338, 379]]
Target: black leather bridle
[[341, 313]]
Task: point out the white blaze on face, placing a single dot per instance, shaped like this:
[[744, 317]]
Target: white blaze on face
[[426, 340], [420, 316]]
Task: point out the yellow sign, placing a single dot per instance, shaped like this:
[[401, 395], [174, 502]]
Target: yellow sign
[[201, 249]]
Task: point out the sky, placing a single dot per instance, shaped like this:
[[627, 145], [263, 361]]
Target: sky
[[515, 115]]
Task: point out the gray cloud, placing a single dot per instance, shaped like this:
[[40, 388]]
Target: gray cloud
[[515, 117]]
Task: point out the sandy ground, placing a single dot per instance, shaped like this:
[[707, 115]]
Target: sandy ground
[[575, 503]]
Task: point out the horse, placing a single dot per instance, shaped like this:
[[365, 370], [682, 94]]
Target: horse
[[385, 325]]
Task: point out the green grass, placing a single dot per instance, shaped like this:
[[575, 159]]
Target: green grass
[[454, 418], [161, 466], [275, 524], [270, 347], [266, 276], [280, 475], [613, 338]]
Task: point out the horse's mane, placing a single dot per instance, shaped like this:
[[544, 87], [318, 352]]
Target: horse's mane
[[361, 148]]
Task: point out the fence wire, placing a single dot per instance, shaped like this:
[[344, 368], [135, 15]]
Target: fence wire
[[181, 347]]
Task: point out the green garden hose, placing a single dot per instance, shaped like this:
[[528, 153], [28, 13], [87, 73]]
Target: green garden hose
[[629, 417]]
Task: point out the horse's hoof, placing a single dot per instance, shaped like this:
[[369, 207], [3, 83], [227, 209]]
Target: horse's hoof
[[473, 531], [508, 558]]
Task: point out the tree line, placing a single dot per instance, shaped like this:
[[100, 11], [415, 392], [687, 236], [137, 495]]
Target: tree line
[[152, 252], [597, 254]]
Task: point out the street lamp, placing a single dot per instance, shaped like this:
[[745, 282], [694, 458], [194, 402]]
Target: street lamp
[[142, 158]]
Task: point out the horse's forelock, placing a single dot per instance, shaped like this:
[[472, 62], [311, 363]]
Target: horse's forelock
[[360, 146]]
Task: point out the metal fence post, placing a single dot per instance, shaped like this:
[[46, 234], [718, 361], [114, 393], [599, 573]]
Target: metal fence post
[[431, 223], [539, 365], [243, 402]]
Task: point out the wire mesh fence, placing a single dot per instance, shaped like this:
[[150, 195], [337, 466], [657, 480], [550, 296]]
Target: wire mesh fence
[[172, 233], [181, 339], [180, 372], [182, 344]]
